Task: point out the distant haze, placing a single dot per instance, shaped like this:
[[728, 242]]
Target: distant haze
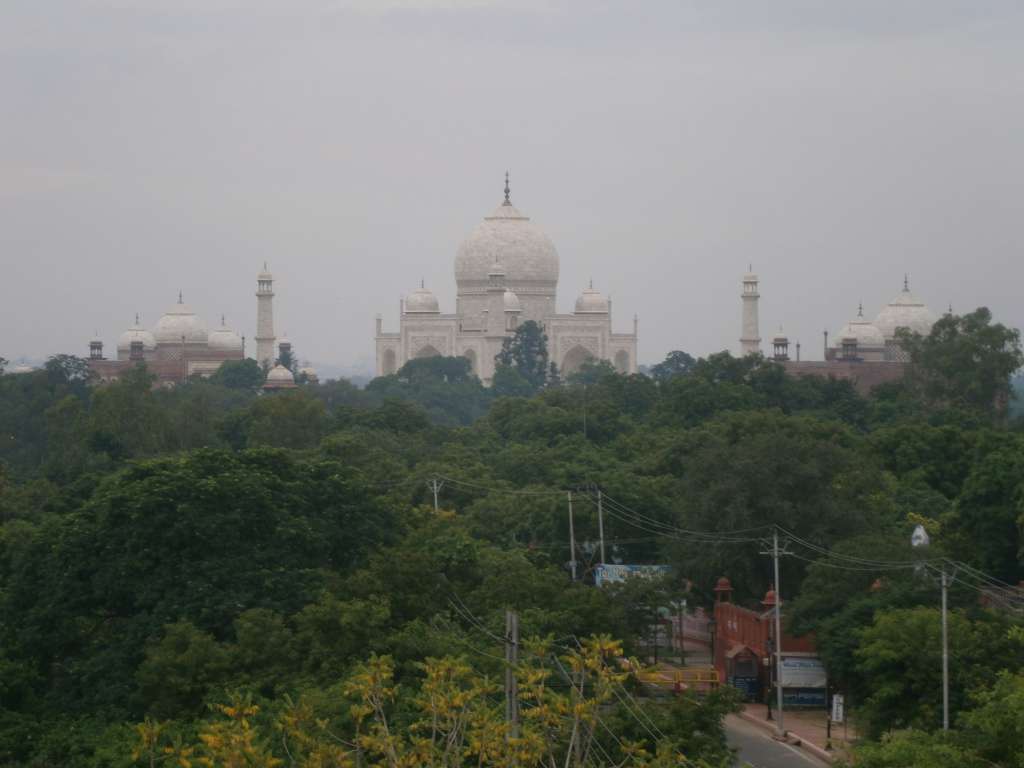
[[148, 146]]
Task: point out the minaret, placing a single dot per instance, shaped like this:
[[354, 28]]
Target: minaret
[[750, 341], [265, 317]]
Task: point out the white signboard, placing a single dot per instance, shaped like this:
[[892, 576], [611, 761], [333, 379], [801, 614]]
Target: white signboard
[[803, 672], [837, 708]]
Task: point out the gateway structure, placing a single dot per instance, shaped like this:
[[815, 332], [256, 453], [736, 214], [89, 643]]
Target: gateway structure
[[506, 272]]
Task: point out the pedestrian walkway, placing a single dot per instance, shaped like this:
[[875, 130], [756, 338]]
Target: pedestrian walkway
[[810, 726]]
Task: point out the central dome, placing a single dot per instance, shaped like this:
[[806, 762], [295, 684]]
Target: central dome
[[507, 236], [180, 321], [905, 311]]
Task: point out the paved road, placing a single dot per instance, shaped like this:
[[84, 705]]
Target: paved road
[[758, 749]]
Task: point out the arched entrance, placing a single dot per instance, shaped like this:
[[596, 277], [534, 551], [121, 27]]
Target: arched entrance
[[574, 359], [389, 364], [428, 351], [470, 355], [622, 361]]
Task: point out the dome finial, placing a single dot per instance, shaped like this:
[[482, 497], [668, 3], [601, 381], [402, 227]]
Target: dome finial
[[508, 200], [223, 322], [860, 309], [180, 299], [423, 283], [906, 282], [136, 318], [591, 283]]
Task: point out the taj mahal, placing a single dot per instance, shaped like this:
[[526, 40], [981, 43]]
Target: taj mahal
[[506, 272]]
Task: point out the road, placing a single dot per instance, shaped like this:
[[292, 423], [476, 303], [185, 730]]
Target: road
[[759, 750]]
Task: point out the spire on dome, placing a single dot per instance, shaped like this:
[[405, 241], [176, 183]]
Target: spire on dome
[[223, 322], [508, 200], [136, 318], [180, 299], [423, 283], [860, 309], [906, 283]]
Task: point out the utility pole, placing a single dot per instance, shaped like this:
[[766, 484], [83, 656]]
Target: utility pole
[[600, 524], [775, 552], [436, 486], [945, 653], [511, 662], [572, 541]]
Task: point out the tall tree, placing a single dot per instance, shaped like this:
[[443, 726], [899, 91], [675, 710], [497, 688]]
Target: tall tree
[[676, 363], [527, 352], [966, 361]]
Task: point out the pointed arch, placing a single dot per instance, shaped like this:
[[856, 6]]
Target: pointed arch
[[574, 359], [428, 350], [389, 362], [622, 361]]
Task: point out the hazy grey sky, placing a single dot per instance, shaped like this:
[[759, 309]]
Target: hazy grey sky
[[152, 145]]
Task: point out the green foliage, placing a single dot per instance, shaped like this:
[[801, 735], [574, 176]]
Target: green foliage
[[915, 749], [239, 374], [676, 363], [966, 361], [899, 657], [526, 351]]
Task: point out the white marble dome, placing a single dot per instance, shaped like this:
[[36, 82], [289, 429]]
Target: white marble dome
[[905, 311], [864, 331], [591, 301], [422, 300], [21, 368], [224, 339], [180, 321], [136, 333], [279, 375], [527, 254]]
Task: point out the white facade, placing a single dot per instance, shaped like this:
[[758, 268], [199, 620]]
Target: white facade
[[506, 272]]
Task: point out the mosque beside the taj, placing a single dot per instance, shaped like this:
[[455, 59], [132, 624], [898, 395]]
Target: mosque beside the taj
[[180, 345], [867, 352], [506, 272]]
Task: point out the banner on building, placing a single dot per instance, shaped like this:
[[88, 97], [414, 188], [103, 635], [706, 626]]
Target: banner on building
[[612, 574], [803, 672]]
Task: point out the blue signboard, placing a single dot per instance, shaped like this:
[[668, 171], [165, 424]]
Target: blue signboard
[[609, 574], [804, 697]]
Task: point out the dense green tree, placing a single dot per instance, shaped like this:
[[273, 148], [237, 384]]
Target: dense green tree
[[899, 658], [966, 361], [916, 749], [239, 374], [676, 363], [287, 419], [527, 352]]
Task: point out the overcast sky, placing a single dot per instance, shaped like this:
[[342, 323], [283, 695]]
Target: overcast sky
[[148, 146]]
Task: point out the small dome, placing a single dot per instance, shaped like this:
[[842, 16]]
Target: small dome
[[21, 368], [905, 311], [180, 321], [279, 377], [224, 339], [723, 585], [769, 598], [865, 332], [511, 302], [422, 300], [591, 301], [136, 333]]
